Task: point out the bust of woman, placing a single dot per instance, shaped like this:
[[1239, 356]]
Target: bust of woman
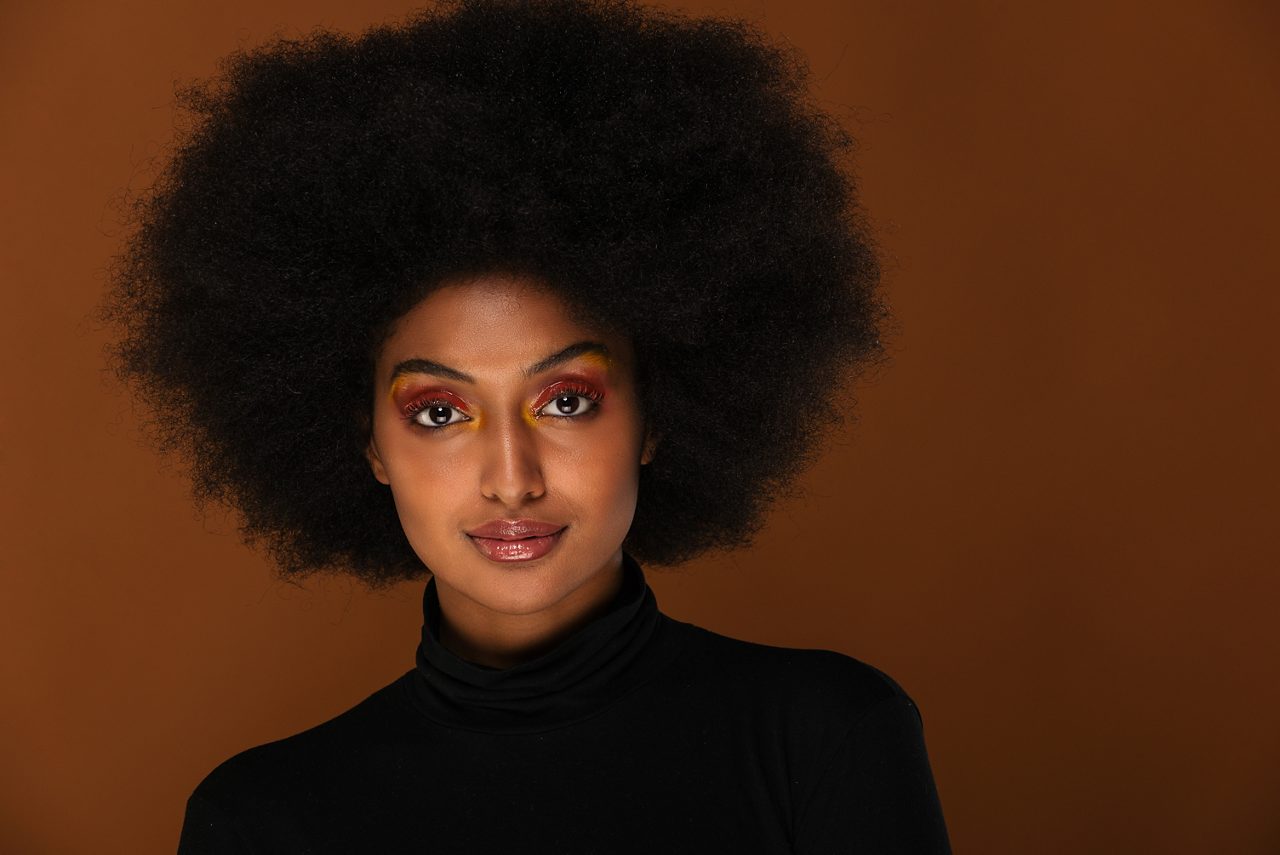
[[521, 298]]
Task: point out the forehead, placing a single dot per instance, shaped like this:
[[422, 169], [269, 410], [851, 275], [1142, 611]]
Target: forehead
[[494, 324]]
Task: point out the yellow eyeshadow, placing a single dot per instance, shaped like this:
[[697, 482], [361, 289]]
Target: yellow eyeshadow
[[597, 358], [398, 384]]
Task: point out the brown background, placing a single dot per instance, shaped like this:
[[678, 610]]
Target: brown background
[[1056, 508]]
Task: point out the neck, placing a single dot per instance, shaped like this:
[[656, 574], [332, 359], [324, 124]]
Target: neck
[[496, 640]]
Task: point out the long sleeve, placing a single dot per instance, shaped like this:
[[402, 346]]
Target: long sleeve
[[877, 795]]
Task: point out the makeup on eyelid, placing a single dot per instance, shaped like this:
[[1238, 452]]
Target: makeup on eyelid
[[409, 401], [570, 384]]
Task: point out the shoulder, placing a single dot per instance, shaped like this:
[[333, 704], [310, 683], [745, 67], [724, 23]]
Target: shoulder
[[269, 773], [827, 688], [833, 722], [829, 674]]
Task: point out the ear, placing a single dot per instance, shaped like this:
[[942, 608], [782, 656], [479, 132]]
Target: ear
[[650, 446], [375, 462]]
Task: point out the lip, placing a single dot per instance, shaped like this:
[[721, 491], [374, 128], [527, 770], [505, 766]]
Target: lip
[[528, 549], [515, 540], [514, 529]]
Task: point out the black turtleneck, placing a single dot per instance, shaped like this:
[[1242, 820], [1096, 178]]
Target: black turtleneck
[[636, 734]]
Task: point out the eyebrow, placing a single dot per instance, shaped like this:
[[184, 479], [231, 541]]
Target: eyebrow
[[427, 366]]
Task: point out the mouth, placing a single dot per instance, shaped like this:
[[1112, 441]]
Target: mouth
[[506, 543]]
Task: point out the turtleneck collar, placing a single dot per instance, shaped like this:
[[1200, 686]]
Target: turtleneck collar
[[587, 671]]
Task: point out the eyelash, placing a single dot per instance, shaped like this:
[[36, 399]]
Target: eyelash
[[565, 390]]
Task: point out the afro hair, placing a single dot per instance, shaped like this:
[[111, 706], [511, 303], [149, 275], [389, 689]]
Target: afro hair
[[667, 176]]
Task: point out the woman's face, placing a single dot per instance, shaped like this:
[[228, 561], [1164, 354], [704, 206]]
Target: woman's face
[[512, 439]]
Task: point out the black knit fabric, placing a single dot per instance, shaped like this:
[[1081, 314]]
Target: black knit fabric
[[637, 734]]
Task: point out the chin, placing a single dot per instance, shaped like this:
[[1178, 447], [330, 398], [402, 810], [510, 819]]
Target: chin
[[527, 594], [517, 587]]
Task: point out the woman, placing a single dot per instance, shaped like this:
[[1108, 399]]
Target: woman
[[519, 296]]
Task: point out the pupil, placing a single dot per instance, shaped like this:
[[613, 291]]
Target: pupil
[[439, 415], [567, 403]]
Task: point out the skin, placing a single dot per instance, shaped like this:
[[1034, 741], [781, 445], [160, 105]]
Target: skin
[[509, 451]]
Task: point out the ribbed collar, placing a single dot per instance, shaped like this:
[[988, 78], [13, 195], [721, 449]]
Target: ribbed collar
[[584, 673]]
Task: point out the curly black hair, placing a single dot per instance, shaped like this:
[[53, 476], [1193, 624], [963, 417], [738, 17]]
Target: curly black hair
[[668, 177]]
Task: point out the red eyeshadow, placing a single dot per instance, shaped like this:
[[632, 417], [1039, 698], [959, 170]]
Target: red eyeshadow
[[410, 400], [576, 383]]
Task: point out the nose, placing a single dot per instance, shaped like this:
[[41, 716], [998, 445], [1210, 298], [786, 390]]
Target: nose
[[512, 471]]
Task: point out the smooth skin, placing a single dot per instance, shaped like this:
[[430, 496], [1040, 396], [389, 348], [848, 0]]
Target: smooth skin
[[494, 446]]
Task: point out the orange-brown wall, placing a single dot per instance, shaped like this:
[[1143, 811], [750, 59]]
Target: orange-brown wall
[[1058, 503]]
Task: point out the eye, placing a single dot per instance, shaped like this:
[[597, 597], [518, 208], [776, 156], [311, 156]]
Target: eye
[[437, 414], [568, 404]]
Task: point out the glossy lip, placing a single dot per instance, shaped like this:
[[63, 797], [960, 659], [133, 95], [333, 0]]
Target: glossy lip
[[525, 549], [514, 529], [515, 540]]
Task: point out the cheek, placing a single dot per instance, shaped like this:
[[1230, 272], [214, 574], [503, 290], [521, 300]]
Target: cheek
[[424, 488], [595, 471], [604, 474]]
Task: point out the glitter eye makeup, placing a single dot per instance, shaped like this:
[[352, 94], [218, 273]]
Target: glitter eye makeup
[[426, 396], [565, 399], [569, 397], [433, 408]]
